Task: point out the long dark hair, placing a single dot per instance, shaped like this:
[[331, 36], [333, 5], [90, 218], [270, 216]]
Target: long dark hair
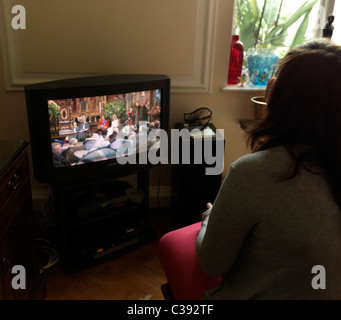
[[304, 110]]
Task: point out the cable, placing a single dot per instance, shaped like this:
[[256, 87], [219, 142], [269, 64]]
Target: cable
[[158, 190], [48, 205], [52, 253]]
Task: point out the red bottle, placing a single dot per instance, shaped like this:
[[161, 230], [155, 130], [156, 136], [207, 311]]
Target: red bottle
[[236, 60]]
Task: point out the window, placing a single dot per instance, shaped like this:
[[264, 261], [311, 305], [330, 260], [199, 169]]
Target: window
[[337, 23], [281, 24]]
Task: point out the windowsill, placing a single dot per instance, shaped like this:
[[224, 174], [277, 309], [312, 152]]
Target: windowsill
[[247, 88]]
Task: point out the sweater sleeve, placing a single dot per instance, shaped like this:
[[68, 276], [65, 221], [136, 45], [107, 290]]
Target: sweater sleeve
[[225, 228]]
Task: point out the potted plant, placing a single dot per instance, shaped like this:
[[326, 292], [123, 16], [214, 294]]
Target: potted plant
[[264, 33], [259, 107]]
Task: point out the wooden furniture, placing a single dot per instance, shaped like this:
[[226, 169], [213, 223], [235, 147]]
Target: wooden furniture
[[17, 243]]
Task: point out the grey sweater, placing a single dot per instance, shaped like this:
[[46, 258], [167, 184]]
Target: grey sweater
[[264, 235]]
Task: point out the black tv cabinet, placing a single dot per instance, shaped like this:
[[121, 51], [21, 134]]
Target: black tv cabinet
[[96, 221]]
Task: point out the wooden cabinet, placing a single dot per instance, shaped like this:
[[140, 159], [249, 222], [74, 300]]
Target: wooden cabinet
[[17, 243]]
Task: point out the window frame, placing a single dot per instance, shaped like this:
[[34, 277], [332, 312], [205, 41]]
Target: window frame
[[329, 9]]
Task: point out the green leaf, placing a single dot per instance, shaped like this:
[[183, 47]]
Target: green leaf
[[300, 34], [247, 36], [299, 13], [255, 10], [277, 32], [248, 14], [238, 15], [244, 13], [271, 10], [280, 40]]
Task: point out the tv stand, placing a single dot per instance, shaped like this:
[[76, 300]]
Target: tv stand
[[100, 220]]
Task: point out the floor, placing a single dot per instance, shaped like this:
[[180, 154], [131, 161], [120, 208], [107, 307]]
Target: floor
[[134, 276]]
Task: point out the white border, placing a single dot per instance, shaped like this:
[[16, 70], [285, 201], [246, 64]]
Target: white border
[[199, 82]]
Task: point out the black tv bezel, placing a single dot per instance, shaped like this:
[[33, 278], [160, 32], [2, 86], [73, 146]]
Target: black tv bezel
[[37, 96]]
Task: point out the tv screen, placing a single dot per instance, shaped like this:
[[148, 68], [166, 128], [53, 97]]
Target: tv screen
[[92, 127]]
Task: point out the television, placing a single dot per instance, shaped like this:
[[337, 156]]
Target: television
[[90, 128]]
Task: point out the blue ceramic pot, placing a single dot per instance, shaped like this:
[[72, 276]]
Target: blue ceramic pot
[[261, 64]]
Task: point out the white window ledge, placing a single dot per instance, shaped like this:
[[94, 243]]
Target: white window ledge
[[247, 88]]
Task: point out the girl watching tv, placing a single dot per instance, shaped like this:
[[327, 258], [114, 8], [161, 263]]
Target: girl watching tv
[[278, 213]]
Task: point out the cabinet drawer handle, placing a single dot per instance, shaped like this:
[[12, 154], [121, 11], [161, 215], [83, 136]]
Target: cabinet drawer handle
[[14, 182]]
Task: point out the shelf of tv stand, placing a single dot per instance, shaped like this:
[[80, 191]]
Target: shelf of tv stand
[[76, 223], [71, 263], [106, 239], [82, 230]]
